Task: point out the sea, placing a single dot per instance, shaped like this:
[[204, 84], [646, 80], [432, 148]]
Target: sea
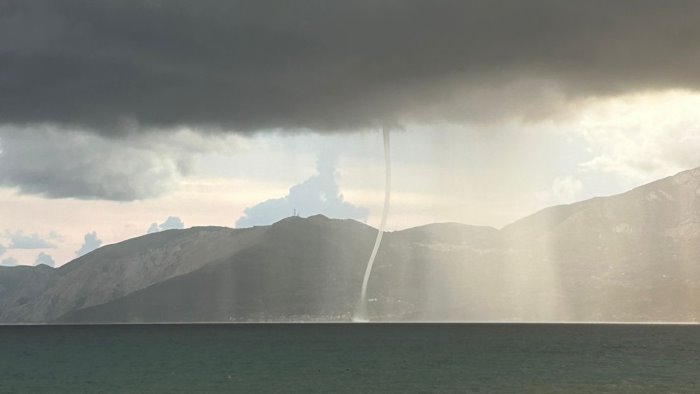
[[350, 358]]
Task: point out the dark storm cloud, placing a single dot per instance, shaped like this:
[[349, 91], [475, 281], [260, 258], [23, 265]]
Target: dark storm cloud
[[59, 164], [122, 65]]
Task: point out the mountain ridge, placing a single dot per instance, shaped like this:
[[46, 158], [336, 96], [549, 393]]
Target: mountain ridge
[[561, 263]]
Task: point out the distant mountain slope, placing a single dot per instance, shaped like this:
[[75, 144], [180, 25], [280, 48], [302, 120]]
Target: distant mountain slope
[[117, 270], [628, 257], [303, 269], [633, 256], [18, 285], [668, 205]]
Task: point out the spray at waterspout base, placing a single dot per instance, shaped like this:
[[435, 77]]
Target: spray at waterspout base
[[360, 315], [361, 309]]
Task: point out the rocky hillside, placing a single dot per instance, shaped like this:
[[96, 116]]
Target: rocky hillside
[[311, 269], [629, 257], [40, 294], [633, 256]]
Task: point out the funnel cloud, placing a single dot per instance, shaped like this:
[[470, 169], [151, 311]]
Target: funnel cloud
[[361, 312]]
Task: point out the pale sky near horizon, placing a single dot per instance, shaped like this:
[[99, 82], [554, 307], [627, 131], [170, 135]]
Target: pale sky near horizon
[[217, 113]]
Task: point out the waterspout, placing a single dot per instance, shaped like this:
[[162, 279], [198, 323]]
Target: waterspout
[[361, 310]]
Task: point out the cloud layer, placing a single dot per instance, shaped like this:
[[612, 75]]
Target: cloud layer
[[19, 240], [58, 164], [250, 65], [317, 195]]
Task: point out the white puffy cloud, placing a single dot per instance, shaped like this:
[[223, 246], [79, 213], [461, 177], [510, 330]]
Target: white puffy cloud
[[319, 194], [45, 259], [91, 243], [171, 223], [643, 137], [19, 240], [565, 189]]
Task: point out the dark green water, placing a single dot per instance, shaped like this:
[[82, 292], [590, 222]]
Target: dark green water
[[359, 358]]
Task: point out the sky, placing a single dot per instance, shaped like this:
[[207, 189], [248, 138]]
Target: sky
[[122, 118]]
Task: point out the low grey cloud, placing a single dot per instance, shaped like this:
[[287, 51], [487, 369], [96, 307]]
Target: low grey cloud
[[91, 243], [9, 262], [20, 240], [2, 249], [56, 165], [44, 161], [45, 259], [171, 223], [317, 195], [250, 65]]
